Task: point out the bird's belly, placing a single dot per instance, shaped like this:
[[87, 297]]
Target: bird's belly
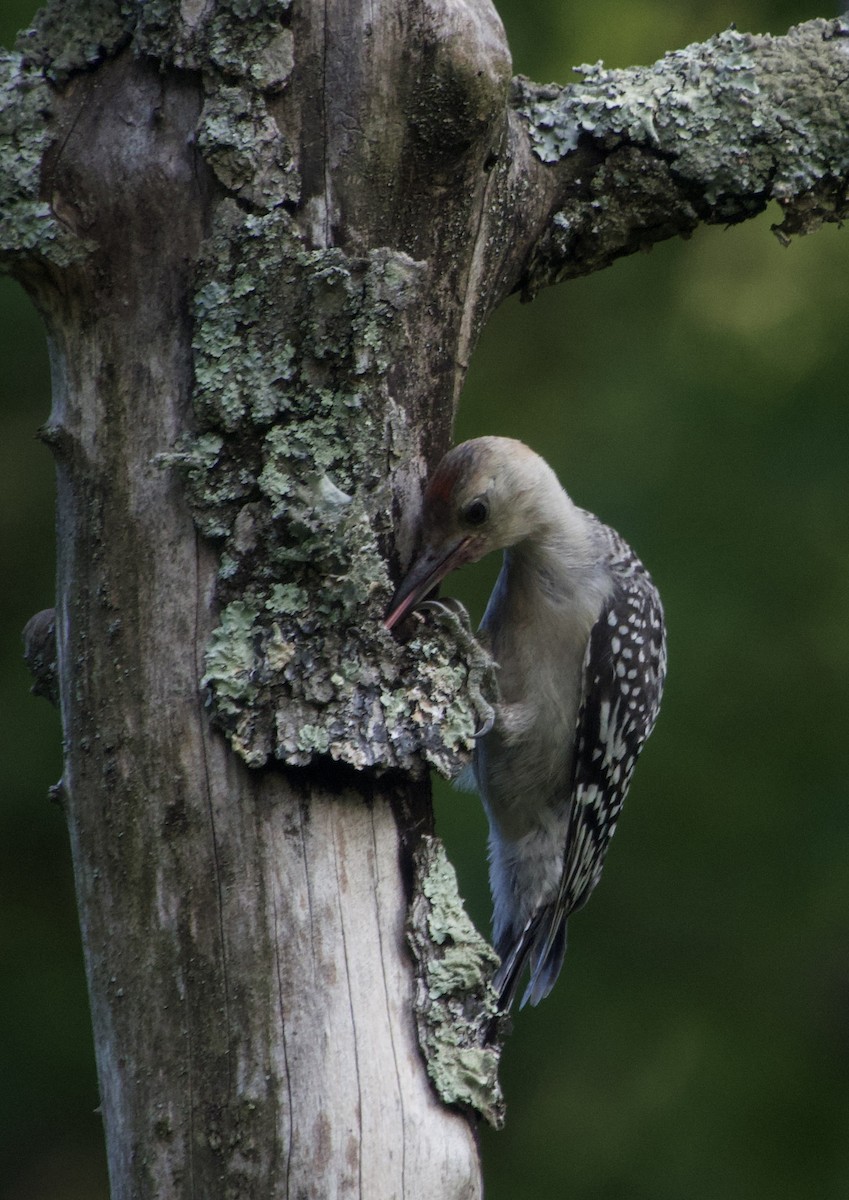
[[522, 779], [526, 797], [525, 872]]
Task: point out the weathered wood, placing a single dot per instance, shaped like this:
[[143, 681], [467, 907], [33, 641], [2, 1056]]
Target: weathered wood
[[244, 930]]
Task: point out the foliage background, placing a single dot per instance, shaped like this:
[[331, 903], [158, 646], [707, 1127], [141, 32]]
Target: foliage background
[[698, 1043]]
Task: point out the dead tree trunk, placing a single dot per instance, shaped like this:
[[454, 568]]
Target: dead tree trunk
[[264, 237]]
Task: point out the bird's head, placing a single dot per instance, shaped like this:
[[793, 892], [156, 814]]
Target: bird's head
[[486, 494]]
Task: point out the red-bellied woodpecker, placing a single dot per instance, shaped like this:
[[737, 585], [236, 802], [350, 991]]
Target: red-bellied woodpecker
[[576, 627]]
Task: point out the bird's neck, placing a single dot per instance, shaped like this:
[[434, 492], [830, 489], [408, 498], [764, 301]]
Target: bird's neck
[[546, 601], [551, 587], [560, 550]]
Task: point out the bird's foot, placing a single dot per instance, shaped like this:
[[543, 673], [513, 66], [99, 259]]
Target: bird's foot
[[451, 614], [448, 606]]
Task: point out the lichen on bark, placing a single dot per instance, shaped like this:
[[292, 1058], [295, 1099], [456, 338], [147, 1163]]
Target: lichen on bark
[[728, 113], [712, 132], [288, 472], [74, 35], [456, 1008], [297, 427], [28, 226], [241, 39], [297, 432]]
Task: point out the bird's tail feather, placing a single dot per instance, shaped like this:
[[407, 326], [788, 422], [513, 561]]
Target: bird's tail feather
[[542, 943]]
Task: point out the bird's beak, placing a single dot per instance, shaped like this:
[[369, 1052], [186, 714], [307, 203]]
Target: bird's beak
[[431, 566]]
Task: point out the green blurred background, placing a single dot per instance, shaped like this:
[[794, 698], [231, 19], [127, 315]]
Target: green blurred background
[[697, 1044]]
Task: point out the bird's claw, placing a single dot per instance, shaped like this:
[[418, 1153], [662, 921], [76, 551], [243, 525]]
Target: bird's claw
[[448, 606], [487, 727], [451, 613]]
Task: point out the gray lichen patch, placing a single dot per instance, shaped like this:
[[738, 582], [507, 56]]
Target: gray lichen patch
[[826, 203], [28, 227], [241, 39], [281, 689], [243, 144], [288, 472], [244, 39], [736, 115], [456, 1009], [75, 35], [297, 431]]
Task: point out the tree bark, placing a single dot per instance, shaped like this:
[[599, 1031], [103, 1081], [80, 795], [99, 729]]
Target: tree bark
[[264, 238], [252, 992]]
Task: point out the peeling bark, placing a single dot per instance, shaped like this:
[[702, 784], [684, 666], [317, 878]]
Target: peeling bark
[[264, 238]]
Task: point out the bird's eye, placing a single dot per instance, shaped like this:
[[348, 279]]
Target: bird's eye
[[476, 512]]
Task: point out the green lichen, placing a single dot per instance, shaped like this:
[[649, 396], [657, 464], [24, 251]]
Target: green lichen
[[75, 35], [456, 1008], [28, 227], [246, 38], [288, 471], [243, 39], [243, 144], [287, 598], [231, 659], [734, 115], [296, 428]]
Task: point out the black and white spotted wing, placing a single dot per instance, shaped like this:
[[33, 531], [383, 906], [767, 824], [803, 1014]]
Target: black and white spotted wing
[[624, 670]]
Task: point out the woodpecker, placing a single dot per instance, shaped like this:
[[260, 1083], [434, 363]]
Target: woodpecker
[[576, 627]]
